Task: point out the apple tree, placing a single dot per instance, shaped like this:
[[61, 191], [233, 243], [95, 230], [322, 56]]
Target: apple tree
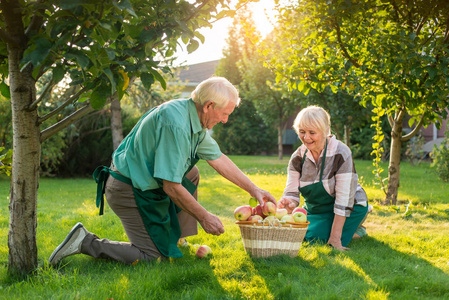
[[392, 54], [90, 47]]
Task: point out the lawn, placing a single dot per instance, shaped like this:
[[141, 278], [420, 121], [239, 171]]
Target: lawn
[[405, 256]]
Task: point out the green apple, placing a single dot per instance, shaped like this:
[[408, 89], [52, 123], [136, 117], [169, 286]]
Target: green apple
[[300, 217], [253, 202], [281, 212], [288, 218]]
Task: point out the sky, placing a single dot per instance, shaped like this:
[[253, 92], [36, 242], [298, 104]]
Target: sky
[[215, 37]]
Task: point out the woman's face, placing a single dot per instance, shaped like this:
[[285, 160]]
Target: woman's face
[[313, 138]]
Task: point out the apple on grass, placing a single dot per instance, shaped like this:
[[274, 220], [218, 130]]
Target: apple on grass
[[255, 218], [242, 213], [203, 251], [288, 218], [281, 212], [269, 209], [301, 209], [300, 217]]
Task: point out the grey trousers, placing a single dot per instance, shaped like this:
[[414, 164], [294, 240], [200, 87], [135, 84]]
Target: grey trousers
[[140, 247]]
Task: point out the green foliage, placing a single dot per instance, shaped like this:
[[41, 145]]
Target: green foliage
[[415, 152], [5, 161], [440, 156], [245, 132]]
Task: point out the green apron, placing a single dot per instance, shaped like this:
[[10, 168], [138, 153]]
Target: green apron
[[320, 211], [158, 212]]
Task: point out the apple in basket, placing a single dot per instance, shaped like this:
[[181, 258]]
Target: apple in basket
[[255, 218], [271, 219], [300, 217], [269, 209], [258, 211], [301, 209], [281, 212], [203, 251], [288, 218], [242, 213]]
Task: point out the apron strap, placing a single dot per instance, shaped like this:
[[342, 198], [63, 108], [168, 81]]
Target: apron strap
[[322, 162], [100, 176]]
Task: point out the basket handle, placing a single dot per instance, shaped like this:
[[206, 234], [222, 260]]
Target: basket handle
[[271, 223]]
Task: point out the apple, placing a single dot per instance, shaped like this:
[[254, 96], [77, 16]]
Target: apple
[[242, 213], [269, 209], [255, 218], [280, 212], [258, 211], [288, 218], [299, 209], [203, 251], [253, 202], [271, 219], [300, 217]]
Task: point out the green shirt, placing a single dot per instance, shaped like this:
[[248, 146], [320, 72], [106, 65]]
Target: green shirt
[[161, 145]]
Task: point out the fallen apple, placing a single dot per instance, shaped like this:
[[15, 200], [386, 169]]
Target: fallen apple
[[255, 218], [269, 209], [203, 251], [281, 212], [301, 209], [288, 218], [253, 202], [300, 217]]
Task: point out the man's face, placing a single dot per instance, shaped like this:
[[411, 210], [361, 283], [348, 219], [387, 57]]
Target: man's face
[[212, 115]]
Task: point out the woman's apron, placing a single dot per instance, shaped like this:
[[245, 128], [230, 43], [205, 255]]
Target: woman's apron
[[320, 210]]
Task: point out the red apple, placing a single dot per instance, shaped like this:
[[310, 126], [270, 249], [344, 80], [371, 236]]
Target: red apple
[[258, 211], [255, 218], [299, 209], [288, 218], [203, 251], [300, 217], [269, 209], [280, 212], [242, 213]]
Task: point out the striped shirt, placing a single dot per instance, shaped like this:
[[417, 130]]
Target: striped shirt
[[339, 176]]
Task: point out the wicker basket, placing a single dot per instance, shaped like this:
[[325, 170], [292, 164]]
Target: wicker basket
[[262, 239]]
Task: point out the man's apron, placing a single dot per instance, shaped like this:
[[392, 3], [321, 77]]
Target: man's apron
[[320, 211]]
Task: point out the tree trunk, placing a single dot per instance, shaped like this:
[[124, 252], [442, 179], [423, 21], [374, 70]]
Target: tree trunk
[[347, 135], [395, 160], [116, 122], [25, 168], [280, 146]]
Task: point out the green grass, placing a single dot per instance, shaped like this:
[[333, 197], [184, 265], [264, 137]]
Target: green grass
[[404, 257]]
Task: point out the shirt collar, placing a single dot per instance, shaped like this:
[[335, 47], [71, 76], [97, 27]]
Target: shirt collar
[[194, 118]]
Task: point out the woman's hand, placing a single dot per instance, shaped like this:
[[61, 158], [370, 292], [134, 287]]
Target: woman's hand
[[336, 244], [287, 204], [336, 232]]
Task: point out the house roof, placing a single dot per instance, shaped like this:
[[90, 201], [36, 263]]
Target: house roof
[[196, 73]]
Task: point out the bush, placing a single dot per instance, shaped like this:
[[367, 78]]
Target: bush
[[440, 156]]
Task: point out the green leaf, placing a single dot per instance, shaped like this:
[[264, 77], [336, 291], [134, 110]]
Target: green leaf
[[192, 46], [147, 80], [99, 96], [58, 73], [159, 78], [4, 90]]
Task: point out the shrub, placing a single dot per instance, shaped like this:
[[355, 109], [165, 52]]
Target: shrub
[[440, 156]]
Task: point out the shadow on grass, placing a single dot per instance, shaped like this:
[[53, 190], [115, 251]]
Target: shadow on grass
[[371, 269]]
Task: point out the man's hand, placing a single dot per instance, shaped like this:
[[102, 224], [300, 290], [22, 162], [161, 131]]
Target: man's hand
[[212, 224]]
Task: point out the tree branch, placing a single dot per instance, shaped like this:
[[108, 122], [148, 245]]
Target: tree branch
[[36, 20], [415, 130], [67, 121], [47, 89], [62, 106], [343, 48]]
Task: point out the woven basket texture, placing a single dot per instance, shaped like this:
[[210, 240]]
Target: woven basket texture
[[263, 240]]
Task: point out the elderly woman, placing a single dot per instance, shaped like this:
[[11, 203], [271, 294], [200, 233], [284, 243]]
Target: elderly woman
[[322, 171]]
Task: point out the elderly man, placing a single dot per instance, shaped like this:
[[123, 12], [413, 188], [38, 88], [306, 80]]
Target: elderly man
[[153, 179]]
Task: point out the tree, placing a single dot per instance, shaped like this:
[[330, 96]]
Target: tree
[[86, 45], [393, 54]]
